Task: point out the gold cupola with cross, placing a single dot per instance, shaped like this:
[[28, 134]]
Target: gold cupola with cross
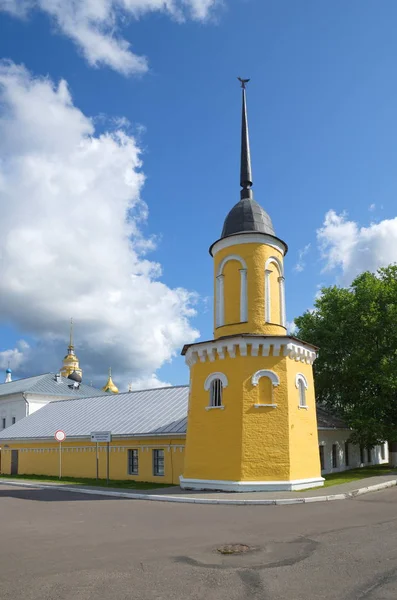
[[110, 386], [252, 422], [71, 366]]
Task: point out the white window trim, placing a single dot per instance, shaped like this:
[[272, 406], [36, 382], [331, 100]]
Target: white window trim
[[300, 377], [210, 379], [207, 386], [281, 281], [220, 295], [274, 378], [215, 407]]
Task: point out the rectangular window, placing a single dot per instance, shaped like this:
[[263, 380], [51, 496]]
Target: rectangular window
[[346, 454], [322, 459], [133, 462], [334, 456], [369, 455], [158, 462], [13, 420], [383, 451], [3, 420], [362, 456]]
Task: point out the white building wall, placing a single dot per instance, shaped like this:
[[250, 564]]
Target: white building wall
[[13, 406], [327, 438]]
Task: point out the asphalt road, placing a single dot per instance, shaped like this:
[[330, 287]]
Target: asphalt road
[[56, 545]]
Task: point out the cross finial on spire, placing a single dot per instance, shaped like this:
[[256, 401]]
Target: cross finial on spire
[[243, 82], [71, 333], [245, 170]]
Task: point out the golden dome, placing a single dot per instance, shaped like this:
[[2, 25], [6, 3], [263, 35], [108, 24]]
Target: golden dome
[[71, 362], [110, 386]]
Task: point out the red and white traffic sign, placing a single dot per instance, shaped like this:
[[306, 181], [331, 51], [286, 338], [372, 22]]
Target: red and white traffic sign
[[60, 435]]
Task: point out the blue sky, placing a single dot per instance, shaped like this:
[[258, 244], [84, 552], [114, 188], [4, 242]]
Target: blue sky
[[322, 113]]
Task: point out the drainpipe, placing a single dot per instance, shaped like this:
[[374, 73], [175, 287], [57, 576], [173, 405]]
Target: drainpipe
[[27, 404]]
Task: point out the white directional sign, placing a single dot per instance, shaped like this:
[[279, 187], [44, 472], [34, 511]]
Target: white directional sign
[[101, 436], [60, 435]]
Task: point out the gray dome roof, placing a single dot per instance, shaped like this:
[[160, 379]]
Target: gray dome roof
[[247, 215], [75, 377]]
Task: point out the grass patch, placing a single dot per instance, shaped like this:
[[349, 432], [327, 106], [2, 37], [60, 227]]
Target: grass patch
[[124, 484], [356, 474]]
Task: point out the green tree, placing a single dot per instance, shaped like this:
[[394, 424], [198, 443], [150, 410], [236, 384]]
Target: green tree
[[356, 368]]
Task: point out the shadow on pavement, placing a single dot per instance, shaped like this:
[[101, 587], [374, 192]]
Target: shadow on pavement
[[48, 495]]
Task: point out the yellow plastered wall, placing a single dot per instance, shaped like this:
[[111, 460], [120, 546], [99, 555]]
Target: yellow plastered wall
[[213, 439], [79, 459], [246, 443], [304, 453], [255, 257], [266, 454]]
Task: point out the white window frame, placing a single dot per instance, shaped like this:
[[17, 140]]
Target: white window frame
[[275, 380], [156, 461], [273, 260], [220, 293], [335, 464], [301, 386], [209, 387], [131, 462]]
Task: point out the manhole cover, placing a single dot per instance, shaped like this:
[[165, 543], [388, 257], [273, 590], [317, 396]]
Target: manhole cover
[[234, 549]]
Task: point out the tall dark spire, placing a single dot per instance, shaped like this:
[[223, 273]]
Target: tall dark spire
[[245, 171]]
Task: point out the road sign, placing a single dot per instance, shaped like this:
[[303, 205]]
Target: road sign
[[101, 436], [60, 435]]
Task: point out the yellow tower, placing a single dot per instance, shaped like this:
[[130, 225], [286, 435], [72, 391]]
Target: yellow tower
[[110, 386], [252, 422], [71, 366]]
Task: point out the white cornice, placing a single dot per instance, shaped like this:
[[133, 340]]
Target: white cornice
[[248, 238], [256, 346]]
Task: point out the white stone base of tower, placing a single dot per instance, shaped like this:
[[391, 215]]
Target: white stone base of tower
[[250, 486]]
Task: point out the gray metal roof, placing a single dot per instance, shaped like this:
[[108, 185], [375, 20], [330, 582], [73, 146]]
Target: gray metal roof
[[329, 421], [46, 385], [247, 215], [148, 412]]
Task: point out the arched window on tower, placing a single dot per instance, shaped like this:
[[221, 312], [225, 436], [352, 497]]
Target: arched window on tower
[[216, 390], [274, 292], [266, 381], [301, 384], [214, 384], [231, 291]]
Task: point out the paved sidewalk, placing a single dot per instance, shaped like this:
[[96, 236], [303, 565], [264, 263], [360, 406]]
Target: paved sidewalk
[[175, 494]]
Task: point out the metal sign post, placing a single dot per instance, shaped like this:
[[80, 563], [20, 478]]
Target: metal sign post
[[60, 436], [107, 464], [97, 461], [97, 437]]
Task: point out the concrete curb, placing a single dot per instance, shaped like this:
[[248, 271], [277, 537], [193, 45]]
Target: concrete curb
[[193, 500]]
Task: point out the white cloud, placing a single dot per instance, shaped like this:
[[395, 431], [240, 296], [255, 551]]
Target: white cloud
[[71, 242], [144, 383], [14, 357], [372, 207], [94, 25], [301, 264], [319, 292], [354, 249], [291, 328]]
